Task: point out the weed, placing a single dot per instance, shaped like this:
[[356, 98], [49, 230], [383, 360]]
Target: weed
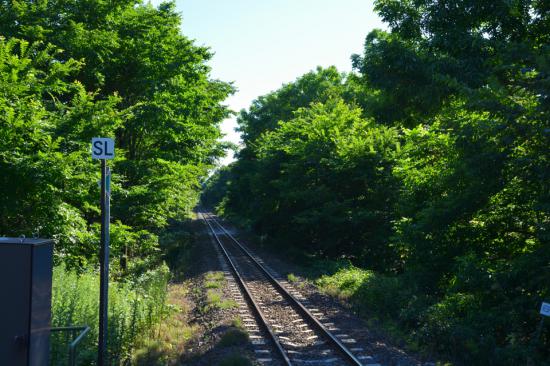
[[136, 308], [228, 304], [237, 322], [292, 278], [344, 283], [213, 284], [215, 276], [173, 332], [214, 298]]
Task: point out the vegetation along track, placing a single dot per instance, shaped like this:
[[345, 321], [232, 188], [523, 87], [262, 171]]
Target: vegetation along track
[[298, 332]]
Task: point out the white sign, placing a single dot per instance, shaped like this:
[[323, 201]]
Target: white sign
[[545, 309], [103, 148]]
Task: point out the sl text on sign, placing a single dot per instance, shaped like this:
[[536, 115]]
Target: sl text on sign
[[103, 148], [545, 309]]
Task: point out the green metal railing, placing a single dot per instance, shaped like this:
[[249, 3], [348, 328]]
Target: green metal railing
[[72, 346]]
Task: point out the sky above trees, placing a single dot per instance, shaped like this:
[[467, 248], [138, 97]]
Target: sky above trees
[[261, 44]]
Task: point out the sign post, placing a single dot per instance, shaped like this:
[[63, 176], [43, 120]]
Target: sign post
[[545, 312], [103, 149]]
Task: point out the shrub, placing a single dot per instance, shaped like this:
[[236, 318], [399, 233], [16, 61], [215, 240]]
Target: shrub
[[233, 337], [292, 277], [345, 282], [370, 292]]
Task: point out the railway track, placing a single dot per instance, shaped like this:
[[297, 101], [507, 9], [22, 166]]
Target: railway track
[[292, 331]]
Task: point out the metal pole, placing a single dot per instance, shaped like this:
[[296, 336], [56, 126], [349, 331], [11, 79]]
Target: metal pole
[[104, 265], [539, 330]]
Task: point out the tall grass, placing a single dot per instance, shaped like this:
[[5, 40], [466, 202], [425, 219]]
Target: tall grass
[[136, 307]]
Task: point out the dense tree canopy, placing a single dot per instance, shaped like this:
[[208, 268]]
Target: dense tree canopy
[[72, 70], [428, 164]]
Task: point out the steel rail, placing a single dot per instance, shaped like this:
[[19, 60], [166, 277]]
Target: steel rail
[[307, 314], [246, 290]]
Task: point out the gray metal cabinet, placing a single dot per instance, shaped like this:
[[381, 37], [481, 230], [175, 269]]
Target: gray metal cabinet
[[25, 301]]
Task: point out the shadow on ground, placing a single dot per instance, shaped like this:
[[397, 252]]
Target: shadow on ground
[[212, 336]]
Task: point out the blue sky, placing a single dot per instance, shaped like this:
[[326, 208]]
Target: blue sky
[[261, 44]]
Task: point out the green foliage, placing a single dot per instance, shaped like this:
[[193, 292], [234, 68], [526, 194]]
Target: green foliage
[[73, 70], [292, 277], [237, 323], [428, 165], [265, 112], [372, 293], [214, 282], [48, 181], [345, 282], [121, 71], [135, 308]]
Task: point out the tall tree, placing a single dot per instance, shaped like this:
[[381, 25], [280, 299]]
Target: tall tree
[[168, 110]]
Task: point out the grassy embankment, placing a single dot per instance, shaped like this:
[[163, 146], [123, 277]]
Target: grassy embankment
[[136, 309], [148, 311], [434, 326]]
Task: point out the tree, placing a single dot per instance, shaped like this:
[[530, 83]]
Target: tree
[[159, 101], [48, 180], [439, 180]]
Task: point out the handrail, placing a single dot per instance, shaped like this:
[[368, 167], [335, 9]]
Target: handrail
[[72, 346]]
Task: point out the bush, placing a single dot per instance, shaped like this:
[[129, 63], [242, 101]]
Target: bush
[[233, 337], [369, 292], [345, 282], [460, 325], [134, 309]]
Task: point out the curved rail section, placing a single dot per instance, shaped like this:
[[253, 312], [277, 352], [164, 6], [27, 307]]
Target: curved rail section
[[346, 355]]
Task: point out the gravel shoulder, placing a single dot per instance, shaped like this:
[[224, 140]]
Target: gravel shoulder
[[214, 314], [210, 323]]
